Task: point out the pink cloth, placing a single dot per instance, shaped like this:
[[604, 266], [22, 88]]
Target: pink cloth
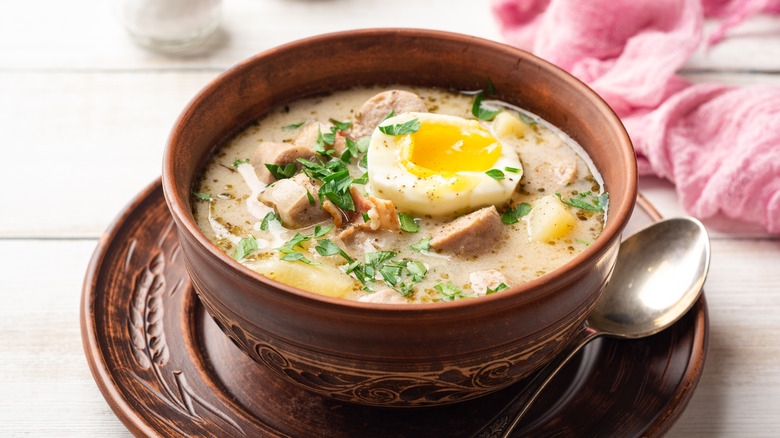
[[719, 145]]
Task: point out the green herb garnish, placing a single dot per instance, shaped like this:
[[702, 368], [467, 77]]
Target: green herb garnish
[[362, 180], [422, 245], [480, 112], [245, 247], [239, 161], [417, 270], [335, 187], [449, 290], [512, 169], [408, 127], [498, 288], [407, 223], [293, 255], [362, 144], [203, 196], [269, 217], [281, 172], [513, 216], [292, 126], [339, 126], [526, 119], [597, 203], [326, 247], [496, 174], [335, 181]]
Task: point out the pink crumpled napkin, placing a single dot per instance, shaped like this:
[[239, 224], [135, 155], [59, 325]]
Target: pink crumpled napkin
[[719, 145]]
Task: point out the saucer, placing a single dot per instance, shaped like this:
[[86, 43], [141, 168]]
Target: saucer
[[166, 369]]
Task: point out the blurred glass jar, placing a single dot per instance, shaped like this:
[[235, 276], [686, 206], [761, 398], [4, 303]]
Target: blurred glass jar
[[169, 25]]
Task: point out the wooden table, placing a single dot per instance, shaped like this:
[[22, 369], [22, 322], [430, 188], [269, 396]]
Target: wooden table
[[85, 115]]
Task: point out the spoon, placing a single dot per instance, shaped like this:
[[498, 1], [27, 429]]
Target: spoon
[[658, 277]]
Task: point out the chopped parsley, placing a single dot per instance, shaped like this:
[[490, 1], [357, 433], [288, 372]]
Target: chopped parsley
[[513, 215], [422, 245], [238, 161], [408, 127], [407, 223], [269, 217], [339, 126], [450, 291], [496, 174], [362, 180], [597, 203], [498, 288], [203, 196], [362, 144], [245, 247], [291, 254], [335, 179], [478, 111], [326, 247], [319, 146], [330, 137], [281, 172], [526, 119], [292, 126]]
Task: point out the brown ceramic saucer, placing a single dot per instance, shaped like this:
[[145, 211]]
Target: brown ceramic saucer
[[167, 370]]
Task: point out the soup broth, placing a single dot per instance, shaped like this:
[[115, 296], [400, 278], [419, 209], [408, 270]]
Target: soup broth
[[400, 195]]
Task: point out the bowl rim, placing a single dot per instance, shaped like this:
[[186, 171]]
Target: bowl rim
[[613, 228]]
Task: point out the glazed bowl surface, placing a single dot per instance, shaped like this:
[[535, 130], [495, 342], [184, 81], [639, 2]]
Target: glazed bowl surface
[[385, 354]]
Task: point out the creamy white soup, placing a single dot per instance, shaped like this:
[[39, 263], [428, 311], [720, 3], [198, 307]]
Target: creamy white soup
[[400, 195]]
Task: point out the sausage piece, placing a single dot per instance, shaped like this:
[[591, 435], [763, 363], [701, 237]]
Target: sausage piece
[[380, 106], [277, 153], [473, 234], [291, 202], [482, 280], [309, 134]]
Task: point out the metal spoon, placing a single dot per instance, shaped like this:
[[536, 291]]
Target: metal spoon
[[658, 277]]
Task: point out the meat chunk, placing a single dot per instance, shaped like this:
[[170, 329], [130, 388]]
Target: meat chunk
[[380, 106], [384, 296], [562, 172], [474, 233], [277, 153], [290, 198], [482, 280], [381, 212], [309, 134], [381, 215]]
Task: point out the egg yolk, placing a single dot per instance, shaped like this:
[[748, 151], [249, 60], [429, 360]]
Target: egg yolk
[[445, 149]]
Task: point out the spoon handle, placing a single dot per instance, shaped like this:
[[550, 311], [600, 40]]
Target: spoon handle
[[505, 422]]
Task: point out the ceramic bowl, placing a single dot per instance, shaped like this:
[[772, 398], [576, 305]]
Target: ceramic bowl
[[384, 354]]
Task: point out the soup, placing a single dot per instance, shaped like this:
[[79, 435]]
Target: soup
[[400, 195]]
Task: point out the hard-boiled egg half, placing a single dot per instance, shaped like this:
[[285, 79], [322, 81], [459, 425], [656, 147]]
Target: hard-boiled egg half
[[442, 168]]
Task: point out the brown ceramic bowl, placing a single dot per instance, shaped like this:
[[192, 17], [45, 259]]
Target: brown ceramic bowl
[[382, 354]]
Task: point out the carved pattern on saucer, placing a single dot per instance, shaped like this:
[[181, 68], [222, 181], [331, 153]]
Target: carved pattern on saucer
[[147, 340]]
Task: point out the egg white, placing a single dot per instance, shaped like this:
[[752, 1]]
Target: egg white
[[439, 193]]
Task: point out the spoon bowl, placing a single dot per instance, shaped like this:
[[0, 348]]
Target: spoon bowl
[[658, 277]]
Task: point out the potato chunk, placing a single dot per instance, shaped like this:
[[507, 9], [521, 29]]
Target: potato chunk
[[321, 279], [506, 125], [550, 220]]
